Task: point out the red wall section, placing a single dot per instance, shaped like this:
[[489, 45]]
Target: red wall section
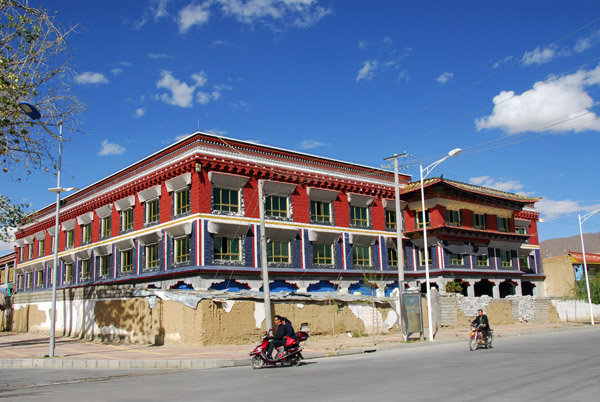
[[467, 218], [437, 215], [341, 206], [378, 215], [250, 191], [492, 222], [165, 204], [301, 205]]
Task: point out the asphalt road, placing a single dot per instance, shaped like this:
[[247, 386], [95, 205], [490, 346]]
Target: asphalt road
[[559, 365]]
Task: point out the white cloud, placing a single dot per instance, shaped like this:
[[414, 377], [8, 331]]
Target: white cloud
[[155, 11], [109, 148], [559, 105], [587, 42], [362, 44], [183, 94], [502, 62], [160, 56], [139, 112], [367, 71], [311, 144], [191, 15], [539, 56], [444, 78], [90, 78], [299, 13], [510, 186], [116, 71], [552, 209]]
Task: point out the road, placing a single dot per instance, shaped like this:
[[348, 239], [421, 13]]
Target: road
[[559, 365]]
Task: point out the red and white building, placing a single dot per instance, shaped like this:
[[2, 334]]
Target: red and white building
[[187, 216]]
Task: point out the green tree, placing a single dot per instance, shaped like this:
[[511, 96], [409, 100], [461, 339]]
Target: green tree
[[579, 291], [34, 57]]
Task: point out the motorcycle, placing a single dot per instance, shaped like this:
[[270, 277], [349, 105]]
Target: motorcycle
[[477, 338], [291, 354]]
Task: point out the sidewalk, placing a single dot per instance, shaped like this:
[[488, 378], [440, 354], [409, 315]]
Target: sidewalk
[[18, 350]]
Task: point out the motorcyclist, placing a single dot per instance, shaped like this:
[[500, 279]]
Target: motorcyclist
[[277, 338], [289, 332], [482, 322]]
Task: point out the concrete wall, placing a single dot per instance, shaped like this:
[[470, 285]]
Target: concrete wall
[[560, 276], [576, 310]]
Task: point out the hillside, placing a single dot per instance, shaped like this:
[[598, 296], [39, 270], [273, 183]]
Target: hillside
[[561, 246]]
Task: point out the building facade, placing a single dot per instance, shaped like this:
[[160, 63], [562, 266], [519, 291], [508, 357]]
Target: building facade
[[187, 217]]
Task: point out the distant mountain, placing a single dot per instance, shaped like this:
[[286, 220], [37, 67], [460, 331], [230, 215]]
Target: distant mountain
[[561, 246]]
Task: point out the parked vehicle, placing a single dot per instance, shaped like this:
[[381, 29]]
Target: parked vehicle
[[291, 354], [477, 338]]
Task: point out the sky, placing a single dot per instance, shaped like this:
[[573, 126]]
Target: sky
[[514, 84]]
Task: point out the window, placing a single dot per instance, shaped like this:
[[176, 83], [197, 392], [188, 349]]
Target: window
[[50, 276], [151, 252], [41, 248], [68, 273], [361, 255], [85, 269], [278, 251], [359, 216], [127, 261], [19, 281], [225, 200], [30, 247], [39, 278], [506, 258], [22, 253], [521, 230], [456, 259], [28, 280], [322, 254], [182, 249], [2, 276], [422, 256], [503, 225], [483, 261], [320, 211], [104, 265], [479, 221], [126, 219], [105, 229], [52, 244], [452, 217], [419, 217], [524, 262], [390, 220], [392, 255], [226, 248], [70, 238], [86, 234], [276, 206], [152, 211], [182, 202]]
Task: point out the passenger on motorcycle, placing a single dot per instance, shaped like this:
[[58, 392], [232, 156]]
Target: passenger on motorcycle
[[290, 336], [277, 339], [482, 321]]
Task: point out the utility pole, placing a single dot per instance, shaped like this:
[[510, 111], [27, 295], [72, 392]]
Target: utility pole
[[264, 257], [399, 223]]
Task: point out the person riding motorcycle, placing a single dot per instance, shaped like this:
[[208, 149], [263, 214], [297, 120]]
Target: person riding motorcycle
[[482, 321], [277, 339]]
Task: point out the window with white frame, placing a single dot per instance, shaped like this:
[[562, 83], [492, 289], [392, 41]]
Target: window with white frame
[[276, 205], [483, 261], [226, 248], [30, 249], [126, 220], [104, 263], [361, 255], [322, 254], [28, 280], [41, 248], [182, 202], [390, 219], [127, 261], [227, 192], [86, 269], [456, 259], [278, 198], [22, 253], [70, 238], [68, 267], [151, 253], [182, 249], [105, 227], [278, 251], [506, 258], [39, 278], [359, 216], [86, 233]]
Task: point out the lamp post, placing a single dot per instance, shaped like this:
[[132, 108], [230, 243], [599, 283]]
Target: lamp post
[[34, 114], [424, 173], [587, 280]]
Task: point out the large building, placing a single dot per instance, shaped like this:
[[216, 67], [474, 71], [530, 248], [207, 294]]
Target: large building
[[188, 217]]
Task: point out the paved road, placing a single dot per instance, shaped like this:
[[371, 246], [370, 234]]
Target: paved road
[[562, 365]]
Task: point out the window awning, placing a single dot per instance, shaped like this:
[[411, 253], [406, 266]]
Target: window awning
[[180, 230], [231, 229], [103, 250], [479, 250], [505, 245], [149, 193], [28, 239], [41, 235], [68, 225], [278, 188], [390, 204], [362, 239], [391, 242], [123, 245], [320, 194], [281, 233], [150, 238], [69, 258], [360, 200], [85, 218], [84, 254], [457, 248], [228, 181], [125, 203], [34, 267], [318, 236], [431, 241], [178, 183], [52, 230], [104, 211]]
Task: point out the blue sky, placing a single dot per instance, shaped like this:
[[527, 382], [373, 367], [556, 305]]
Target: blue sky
[[515, 84]]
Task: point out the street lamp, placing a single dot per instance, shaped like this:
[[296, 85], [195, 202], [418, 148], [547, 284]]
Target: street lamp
[[424, 173], [34, 114], [587, 280]]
